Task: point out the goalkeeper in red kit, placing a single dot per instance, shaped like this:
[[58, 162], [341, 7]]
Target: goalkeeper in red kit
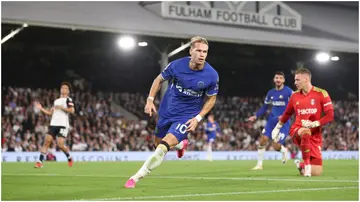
[[308, 103]]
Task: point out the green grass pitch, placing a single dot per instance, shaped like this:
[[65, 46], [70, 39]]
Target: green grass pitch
[[179, 180]]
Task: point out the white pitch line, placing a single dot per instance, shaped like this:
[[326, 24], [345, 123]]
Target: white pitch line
[[223, 193], [185, 177]]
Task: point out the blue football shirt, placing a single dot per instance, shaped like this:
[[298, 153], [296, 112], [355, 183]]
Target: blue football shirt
[[184, 97], [212, 128], [278, 99]]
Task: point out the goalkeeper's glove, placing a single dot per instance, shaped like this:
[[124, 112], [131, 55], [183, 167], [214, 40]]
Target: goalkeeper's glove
[[310, 124], [275, 132]]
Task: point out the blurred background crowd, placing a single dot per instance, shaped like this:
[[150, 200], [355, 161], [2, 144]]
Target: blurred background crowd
[[96, 126]]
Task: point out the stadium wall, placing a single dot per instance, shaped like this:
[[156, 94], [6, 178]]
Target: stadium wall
[[142, 156]]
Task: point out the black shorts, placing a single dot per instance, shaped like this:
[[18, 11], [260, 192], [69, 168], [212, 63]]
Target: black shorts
[[58, 131]]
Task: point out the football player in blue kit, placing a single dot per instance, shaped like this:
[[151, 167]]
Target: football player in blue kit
[[212, 129], [278, 97], [183, 106]]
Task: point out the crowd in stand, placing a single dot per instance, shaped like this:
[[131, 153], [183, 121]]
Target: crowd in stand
[[96, 127]]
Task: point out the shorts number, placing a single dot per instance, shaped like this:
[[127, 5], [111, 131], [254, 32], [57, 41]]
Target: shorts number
[[63, 132], [281, 136], [181, 128]]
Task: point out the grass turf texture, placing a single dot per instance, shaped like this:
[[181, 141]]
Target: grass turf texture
[[179, 180]]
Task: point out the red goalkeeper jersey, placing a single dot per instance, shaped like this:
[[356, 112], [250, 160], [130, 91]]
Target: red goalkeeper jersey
[[310, 107]]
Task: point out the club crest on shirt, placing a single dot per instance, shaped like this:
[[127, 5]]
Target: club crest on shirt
[[200, 84], [312, 101], [281, 97]]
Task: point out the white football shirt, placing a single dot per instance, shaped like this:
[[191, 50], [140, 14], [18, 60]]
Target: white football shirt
[[59, 117]]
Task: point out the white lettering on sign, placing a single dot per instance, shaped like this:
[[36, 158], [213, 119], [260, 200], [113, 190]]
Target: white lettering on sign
[[231, 16]]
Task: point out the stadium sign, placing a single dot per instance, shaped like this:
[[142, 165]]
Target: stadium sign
[[274, 15], [171, 156]]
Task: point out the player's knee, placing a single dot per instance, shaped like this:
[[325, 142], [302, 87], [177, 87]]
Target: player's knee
[[304, 131], [47, 143], [60, 145], [164, 145], [263, 140], [171, 140]]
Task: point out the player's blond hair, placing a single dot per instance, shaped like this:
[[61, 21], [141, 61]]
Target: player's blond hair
[[198, 39], [303, 70]]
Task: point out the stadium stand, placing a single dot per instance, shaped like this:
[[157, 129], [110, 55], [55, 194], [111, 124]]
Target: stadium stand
[[96, 128]]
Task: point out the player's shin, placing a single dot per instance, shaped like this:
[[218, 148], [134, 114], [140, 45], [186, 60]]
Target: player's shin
[[209, 151], [152, 162], [284, 152], [306, 150], [68, 156], [41, 157], [66, 152], [261, 151]]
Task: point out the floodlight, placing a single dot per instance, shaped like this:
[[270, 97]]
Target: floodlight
[[142, 44], [322, 57], [126, 42], [334, 58]]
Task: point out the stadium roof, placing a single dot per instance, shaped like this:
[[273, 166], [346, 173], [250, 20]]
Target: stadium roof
[[238, 64]]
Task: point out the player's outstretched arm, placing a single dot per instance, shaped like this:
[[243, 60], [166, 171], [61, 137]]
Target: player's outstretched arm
[[45, 111], [209, 104], [287, 113], [155, 87], [263, 108], [259, 113]]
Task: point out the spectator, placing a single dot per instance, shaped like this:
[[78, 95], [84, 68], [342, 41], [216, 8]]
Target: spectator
[[96, 128]]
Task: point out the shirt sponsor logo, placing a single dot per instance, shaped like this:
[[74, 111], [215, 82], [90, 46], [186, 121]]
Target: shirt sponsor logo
[[307, 111]]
